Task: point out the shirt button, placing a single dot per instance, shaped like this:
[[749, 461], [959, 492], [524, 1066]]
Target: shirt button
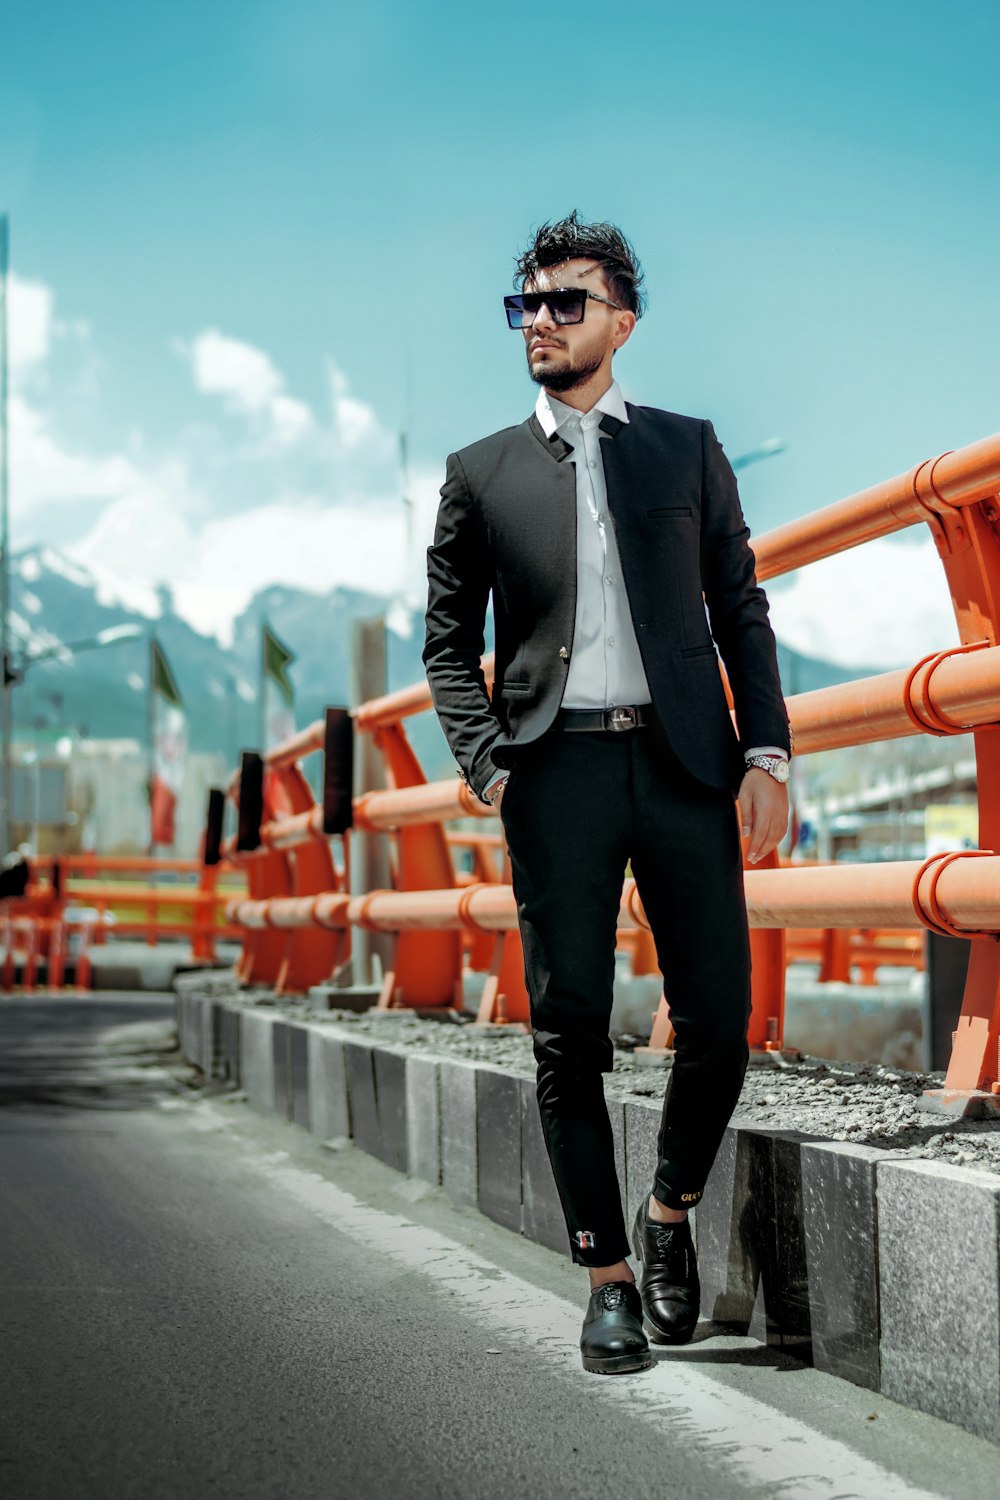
[[611, 640], [593, 464], [609, 580]]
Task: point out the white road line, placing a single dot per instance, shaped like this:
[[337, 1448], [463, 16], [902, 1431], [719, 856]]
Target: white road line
[[755, 1440]]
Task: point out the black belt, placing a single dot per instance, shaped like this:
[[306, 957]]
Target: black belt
[[615, 719]]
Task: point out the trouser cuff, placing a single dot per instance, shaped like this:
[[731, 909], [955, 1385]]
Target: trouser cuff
[[603, 1252], [675, 1197]]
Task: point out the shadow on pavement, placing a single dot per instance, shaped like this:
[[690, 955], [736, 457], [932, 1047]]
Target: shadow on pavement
[[96, 1052]]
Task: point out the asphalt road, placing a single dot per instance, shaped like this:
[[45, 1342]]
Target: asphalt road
[[200, 1301]]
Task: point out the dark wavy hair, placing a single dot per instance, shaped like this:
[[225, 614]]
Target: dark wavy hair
[[569, 239]]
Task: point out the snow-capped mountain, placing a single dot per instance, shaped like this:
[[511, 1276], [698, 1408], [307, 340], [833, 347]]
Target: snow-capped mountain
[[57, 600]]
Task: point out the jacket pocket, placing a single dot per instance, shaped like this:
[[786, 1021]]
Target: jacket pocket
[[708, 650], [669, 512], [517, 687]]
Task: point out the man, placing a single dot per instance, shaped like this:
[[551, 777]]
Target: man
[[604, 531]]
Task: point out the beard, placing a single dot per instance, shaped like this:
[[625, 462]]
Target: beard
[[564, 376]]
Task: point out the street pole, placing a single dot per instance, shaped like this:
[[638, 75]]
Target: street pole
[[150, 735], [262, 688], [5, 703]]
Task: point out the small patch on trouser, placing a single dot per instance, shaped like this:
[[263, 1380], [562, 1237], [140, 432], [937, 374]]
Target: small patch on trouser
[[585, 1239], [690, 1197]]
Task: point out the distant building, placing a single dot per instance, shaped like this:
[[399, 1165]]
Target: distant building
[[73, 795]]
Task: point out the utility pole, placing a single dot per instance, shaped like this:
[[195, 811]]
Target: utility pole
[[5, 654]]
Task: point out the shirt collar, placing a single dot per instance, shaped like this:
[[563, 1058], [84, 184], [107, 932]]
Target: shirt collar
[[553, 414]]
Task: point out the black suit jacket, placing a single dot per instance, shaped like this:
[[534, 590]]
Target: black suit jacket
[[506, 524]]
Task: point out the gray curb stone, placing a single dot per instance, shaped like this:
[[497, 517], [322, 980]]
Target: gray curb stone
[[360, 1071], [541, 1212], [498, 1146], [390, 1097], [939, 1271], [459, 1132], [257, 1058], [636, 1170], [423, 1118], [841, 1251], [329, 1116], [885, 1271], [298, 1075], [280, 1035]]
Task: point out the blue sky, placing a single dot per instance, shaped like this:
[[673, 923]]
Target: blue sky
[[813, 192]]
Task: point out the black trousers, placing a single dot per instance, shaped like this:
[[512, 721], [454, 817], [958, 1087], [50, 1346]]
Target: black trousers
[[577, 807]]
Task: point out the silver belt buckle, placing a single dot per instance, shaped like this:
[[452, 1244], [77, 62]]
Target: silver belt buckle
[[622, 718]]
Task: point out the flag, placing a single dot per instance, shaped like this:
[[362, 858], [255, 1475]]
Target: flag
[[277, 696], [169, 731]]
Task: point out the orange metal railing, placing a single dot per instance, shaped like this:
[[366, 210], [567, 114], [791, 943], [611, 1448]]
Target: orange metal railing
[[299, 915], [38, 930]]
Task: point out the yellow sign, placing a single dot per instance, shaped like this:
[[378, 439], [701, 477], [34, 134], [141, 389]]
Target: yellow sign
[[950, 825]]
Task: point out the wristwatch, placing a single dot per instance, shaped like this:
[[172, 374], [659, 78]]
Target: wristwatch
[[774, 765]]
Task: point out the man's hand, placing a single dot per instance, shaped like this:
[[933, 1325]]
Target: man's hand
[[763, 806]]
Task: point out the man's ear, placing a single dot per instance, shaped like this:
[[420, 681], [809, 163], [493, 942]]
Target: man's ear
[[625, 322]]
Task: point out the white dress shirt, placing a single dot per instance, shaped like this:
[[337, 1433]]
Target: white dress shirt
[[605, 668]]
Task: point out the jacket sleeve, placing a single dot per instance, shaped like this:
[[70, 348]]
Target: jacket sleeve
[[737, 605], [459, 580]]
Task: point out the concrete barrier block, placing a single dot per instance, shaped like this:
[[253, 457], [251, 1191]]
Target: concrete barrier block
[[298, 1074], [329, 1116], [750, 1235], [786, 1280], [257, 1058], [541, 1214], [190, 1029], [841, 1251], [211, 1039], [459, 1136], [616, 1114], [939, 1290], [282, 1084], [423, 1119], [231, 1045], [390, 1095], [361, 1096], [642, 1125], [728, 1228], [203, 1037], [498, 1125]]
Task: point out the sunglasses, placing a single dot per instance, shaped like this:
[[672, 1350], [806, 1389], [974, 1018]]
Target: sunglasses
[[565, 304]]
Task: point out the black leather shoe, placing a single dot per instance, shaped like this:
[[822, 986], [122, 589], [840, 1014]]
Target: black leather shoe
[[668, 1280], [612, 1341]]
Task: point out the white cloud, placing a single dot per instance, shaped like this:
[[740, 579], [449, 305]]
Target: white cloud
[[44, 470], [215, 569], [271, 493], [227, 367], [354, 422], [884, 604], [30, 323], [248, 381]]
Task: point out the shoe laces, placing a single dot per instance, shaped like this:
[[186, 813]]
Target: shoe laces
[[671, 1245], [611, 1295]]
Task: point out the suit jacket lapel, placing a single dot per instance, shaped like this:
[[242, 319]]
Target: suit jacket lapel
[[555, 445]]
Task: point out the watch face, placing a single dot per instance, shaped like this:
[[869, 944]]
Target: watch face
[[780, 772]]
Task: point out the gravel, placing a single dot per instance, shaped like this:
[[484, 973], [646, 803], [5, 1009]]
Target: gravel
[[867, 1103]]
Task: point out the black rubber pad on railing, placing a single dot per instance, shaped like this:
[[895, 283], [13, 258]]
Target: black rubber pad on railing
[[338, 771], [251, 801], [213, 825]]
